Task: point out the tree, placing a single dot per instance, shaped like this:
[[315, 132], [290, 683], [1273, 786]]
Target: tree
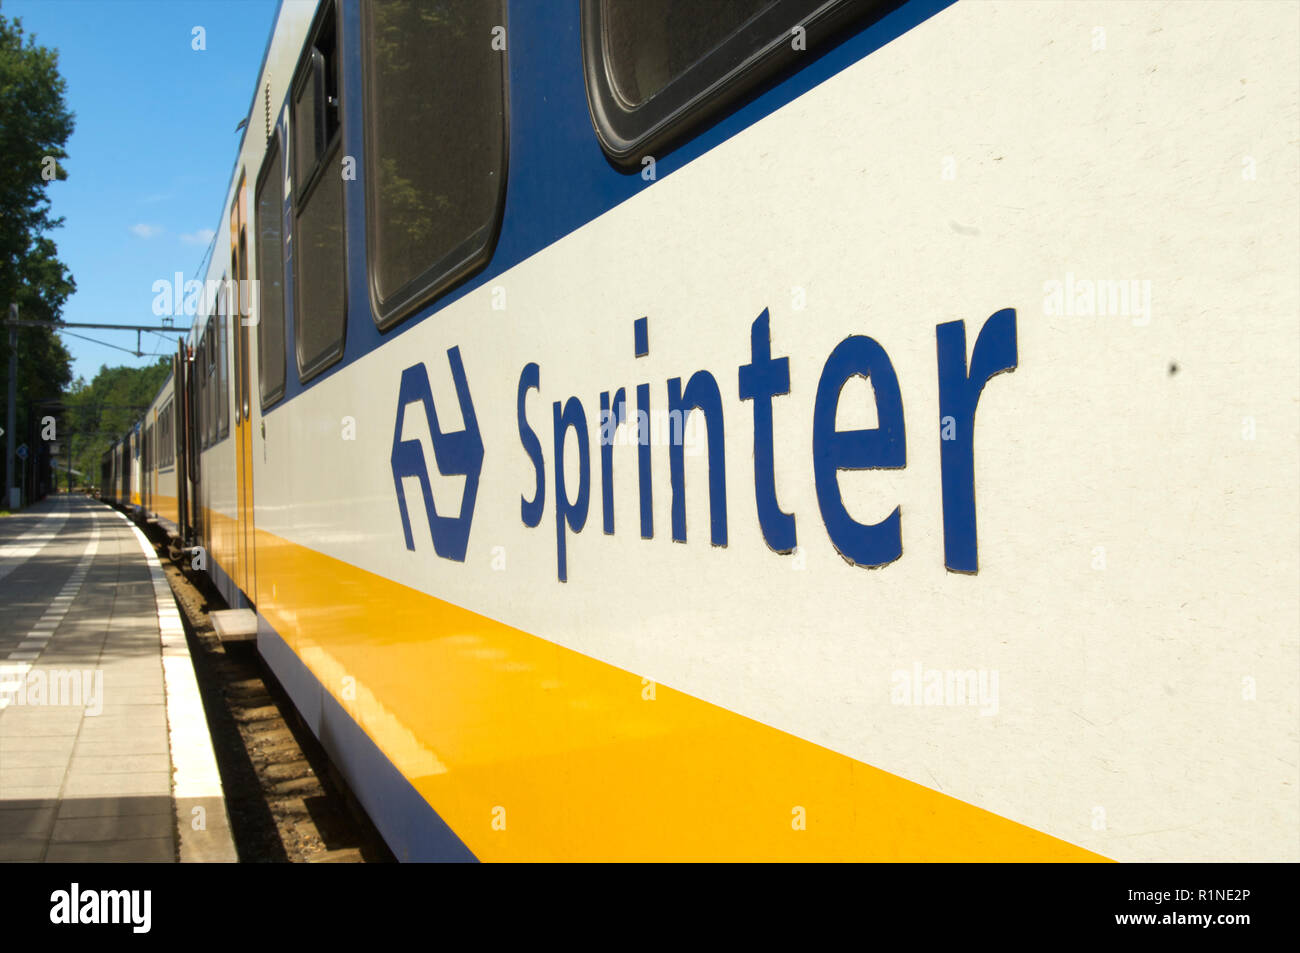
[[35, 124], [97, 414]]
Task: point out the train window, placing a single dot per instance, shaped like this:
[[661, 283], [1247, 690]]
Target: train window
[[201, 384], [320, 288], [205, 381], [270, 274], [196, 411], [210, 388], [657, 68], [435, 106], [223, 366], [166, 440]]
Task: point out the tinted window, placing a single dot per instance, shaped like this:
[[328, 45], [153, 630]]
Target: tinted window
[[205, 386], [435, 91], [166, 438], [649, 43], [270, 274], [321, 284], [223, 368], [307, 148], [196, 406], [656, 69], [211, 385], [320, 262]]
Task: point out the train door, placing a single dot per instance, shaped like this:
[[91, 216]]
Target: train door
[[146, 464], [153, 463], [137, 478], [180, 434], [245, 572], [197, 364]]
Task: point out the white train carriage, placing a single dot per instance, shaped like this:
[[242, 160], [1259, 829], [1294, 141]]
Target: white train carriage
[[600, 449], [159, 443]]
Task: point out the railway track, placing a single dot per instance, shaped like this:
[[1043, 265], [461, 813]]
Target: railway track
[[286, 802]]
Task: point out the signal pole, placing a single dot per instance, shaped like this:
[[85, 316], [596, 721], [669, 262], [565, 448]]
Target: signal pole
[[10, 423]]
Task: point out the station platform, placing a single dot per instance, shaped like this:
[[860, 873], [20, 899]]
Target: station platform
[[104, 748]]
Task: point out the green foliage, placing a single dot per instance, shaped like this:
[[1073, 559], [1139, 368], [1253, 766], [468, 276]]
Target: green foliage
[[34, 126], [97, 414]]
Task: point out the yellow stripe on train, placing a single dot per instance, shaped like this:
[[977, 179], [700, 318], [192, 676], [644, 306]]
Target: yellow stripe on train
[[531, 751]]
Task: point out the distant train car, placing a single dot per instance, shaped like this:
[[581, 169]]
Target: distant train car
[[588, 413], [108, 476], [159, 450], [116, 485], [133, 467]]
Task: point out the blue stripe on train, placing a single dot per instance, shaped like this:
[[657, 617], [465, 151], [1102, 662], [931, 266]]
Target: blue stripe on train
[[558, 178]]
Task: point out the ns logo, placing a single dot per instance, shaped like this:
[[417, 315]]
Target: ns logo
[[457, 453]]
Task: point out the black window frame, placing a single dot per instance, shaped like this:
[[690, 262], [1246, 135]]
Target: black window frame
[[213, 384], [272, 164], [222, 362], [761, 48], [204, 385], [304, 187], [166, 438], [469, 256]]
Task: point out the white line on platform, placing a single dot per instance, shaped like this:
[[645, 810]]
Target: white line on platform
[[194, 764], [193, 761], [24, 547], [39, 636]]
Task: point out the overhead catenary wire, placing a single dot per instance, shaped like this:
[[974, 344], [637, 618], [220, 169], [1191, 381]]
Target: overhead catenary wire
[[95, 341]]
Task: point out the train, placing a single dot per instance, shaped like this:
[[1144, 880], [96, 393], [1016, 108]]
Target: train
[[586, 407]]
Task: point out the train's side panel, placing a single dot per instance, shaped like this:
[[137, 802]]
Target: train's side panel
[[119, 478], [217, 498], [1112, 582], [216, 489], [162, 476], [218, 485], [135, 465], [109, 481], [124, 470]]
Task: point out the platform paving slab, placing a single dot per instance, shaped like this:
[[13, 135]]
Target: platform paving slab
[[91, 776]]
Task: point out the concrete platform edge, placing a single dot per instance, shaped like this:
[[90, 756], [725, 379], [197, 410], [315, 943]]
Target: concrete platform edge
[[203, 832]]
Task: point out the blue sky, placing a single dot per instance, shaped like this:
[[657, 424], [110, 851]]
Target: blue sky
[[151, 157]]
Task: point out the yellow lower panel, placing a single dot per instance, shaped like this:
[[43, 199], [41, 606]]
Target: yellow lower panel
[[221, 539], [531, 751], [166, 507]]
